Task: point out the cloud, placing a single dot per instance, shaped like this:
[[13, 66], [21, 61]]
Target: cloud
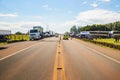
[[94, 4], [84, 2], [8, 15], [37, 17], [99, 2], [22, 26], [98, 16], [70, 12], [47, 7], [34, 17], [95, 16], [105, 0]]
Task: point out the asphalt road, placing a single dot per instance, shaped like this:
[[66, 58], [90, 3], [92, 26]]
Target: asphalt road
[[34, 63], [85, 63], [82, 61]]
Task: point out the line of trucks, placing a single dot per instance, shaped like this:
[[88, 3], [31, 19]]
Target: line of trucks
[[98, 34], [34, 34], [37, 33]]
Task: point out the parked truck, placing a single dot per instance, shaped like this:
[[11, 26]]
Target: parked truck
[[36, 33], [49, 34], [4, 35]]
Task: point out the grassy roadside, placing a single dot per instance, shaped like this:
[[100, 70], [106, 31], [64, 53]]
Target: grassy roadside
[[110, 40], [105, 42], [15, 38], [18, 37]]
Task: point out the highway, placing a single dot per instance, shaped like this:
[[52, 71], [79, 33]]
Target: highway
[[34, 63], [82, 61], [85, 63]]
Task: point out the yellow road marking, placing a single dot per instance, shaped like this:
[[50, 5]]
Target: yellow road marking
[[59, 71]]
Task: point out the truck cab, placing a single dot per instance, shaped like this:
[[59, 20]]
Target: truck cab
[[34, 34]]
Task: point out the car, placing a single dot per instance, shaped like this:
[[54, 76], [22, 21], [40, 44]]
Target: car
[[65, 37], [56, 35]]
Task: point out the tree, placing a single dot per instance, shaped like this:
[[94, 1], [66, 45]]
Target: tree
[[117, 26], [18, 33], [74, 29], [97, 27]]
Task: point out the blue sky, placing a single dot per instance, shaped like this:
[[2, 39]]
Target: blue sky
[[56, 15]]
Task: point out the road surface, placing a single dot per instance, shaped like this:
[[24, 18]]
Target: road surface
[[34, 63], [82, 61]]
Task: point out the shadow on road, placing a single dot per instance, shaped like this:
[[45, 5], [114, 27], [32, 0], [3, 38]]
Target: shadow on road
[[1, 48]]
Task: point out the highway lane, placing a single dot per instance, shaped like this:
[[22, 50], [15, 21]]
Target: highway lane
[[81, 62], [14, 47], [35, 63], [84, 63]]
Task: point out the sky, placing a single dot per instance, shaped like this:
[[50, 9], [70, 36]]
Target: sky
[[56, 15]]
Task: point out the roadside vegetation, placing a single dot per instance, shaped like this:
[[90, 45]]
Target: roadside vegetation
[[18, 37], [101, 27], [107, 40], [15, 38], [100, 34]]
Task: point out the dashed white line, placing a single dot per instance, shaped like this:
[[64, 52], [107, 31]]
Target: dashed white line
[[16, 52], [110, 58]]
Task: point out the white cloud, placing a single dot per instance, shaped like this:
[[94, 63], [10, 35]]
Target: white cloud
[[47, 7], [70, 12], [24, 26], [84, 2], [96, 16], [34, 17], [19, 26], [94, 4], [8, 15], [105, 0], [99, 2]]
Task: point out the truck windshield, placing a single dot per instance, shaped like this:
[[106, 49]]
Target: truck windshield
[[33, 31]]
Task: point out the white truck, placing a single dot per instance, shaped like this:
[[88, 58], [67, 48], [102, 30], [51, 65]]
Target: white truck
[[49, 34], [36, 33], [4, 35]]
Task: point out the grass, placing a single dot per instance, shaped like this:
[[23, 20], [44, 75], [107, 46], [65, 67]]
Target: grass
[[15, 38], [18, 37], [110, 40], [3, 43]]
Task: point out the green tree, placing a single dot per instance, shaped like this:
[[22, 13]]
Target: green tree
[[74, 29], [18, 33], [100, 27], [117, 26]]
